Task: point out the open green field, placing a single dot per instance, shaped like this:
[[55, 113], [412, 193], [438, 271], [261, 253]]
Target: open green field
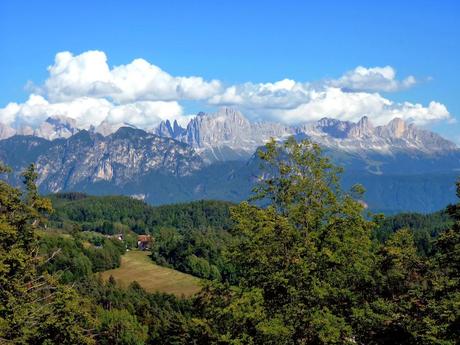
[[137, 266]]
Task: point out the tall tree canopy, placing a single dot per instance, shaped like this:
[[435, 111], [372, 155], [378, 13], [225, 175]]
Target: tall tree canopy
[[309, 273], [34, 308]]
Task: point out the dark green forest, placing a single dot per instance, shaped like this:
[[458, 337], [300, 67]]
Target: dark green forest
[[312, 266], [192, 237], [104, 213]]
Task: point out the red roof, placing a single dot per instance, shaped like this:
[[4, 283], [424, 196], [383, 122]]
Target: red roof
[[144, 238]]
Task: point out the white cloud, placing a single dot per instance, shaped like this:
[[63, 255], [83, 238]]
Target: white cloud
[[293, 102], [373, 79], [335, 103], [89, 75], [85, 88], [78, 76], [89, 111], [283, 94], [145, 114]]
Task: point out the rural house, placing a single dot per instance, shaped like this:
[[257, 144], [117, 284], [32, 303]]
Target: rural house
[[144, 242]]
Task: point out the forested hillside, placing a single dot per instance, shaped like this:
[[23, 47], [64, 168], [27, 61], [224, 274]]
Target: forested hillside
[[105, 213], [191, 237], [424, 227], [310, 267]]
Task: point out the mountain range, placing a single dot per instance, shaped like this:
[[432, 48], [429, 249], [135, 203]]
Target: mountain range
[[403, 167]]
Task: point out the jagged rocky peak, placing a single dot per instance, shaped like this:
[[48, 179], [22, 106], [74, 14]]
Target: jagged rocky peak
[[362, 129], [56, 127], [224, 135], [396, 128], [177, 130], [227, 118], [231, 115], [52, 128], [334, 128], [343, 129], [227, 126], [230, 128], [208, 130], [165, 129], [396, 136], [399, 130]]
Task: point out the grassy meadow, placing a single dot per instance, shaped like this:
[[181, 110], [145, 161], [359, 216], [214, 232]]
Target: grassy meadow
[[137, 266]]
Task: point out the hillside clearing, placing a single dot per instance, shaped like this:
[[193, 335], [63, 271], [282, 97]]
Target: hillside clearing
[[137, 266]]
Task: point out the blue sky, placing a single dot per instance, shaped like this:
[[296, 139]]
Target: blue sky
[[235, 42]]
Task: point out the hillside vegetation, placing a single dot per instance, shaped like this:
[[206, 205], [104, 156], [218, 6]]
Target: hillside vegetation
[[312, 266], [105, 213], [191, 237]]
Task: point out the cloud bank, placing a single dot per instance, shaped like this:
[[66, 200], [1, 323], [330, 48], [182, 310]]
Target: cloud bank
[[86, 88]]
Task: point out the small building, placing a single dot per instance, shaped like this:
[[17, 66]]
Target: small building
[[144, 242]]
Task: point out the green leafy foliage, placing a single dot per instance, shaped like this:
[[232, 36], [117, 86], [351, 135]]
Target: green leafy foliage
[[119, 327], [308, 271], [34, 307], [72, 260], [195, 251], [425, 228], [188, 237], [133, 315], [307, 255]]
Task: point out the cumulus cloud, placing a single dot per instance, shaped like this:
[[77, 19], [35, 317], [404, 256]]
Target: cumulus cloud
[[335, 103], [373, 79], [86, 88], [89, 111], [89, 75], [293, 102], [283, 94]]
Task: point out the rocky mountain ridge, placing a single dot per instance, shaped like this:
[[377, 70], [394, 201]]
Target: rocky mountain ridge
[[228, 135], [89, 157], [396, 136], [417, 173], [224, 135]]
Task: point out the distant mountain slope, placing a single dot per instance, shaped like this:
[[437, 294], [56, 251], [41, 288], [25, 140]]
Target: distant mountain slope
[[403, 168], [392, 138], [88, 158]]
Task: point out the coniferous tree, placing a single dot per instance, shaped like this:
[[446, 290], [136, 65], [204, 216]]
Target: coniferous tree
[[34, 307]]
